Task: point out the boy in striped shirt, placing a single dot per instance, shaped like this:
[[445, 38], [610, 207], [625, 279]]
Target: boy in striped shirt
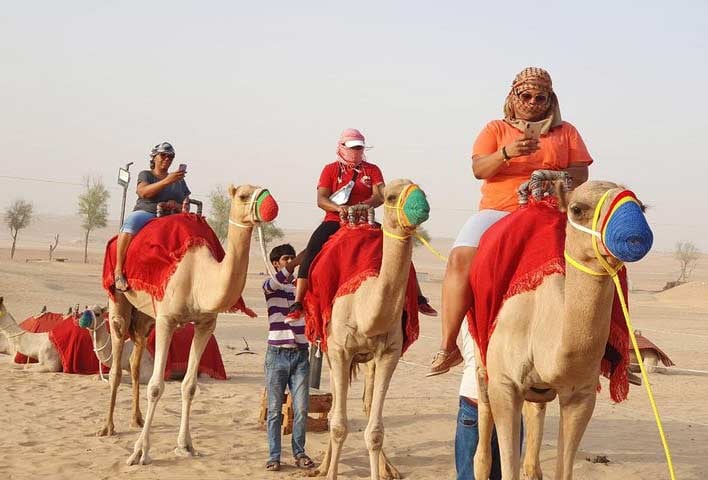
[[287, 361]]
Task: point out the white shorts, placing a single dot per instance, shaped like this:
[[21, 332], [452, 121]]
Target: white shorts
[[476, 225]]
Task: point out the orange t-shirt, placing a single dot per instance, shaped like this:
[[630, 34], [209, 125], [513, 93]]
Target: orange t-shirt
[[560, 148]]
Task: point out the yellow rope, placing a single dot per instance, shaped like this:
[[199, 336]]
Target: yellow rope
[[429, 247], [612, 272]]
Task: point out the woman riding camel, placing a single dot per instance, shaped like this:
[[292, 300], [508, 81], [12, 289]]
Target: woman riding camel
[[348, 181], [154, 186], [504, 156]]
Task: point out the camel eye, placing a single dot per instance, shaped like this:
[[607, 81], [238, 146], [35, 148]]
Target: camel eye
[[391, 198], [243, 197], [576, 211]]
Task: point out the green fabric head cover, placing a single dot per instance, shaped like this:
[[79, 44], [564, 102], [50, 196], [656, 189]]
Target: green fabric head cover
[[416, 208]]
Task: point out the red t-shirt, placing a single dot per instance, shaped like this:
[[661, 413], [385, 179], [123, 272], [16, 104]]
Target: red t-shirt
[[334, 177]]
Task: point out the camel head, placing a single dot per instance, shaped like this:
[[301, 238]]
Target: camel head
[[251, 205], [405, 207], [606, 220], [90, 316]]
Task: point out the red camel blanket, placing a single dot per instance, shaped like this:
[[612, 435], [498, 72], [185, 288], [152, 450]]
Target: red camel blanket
[[178, 354], [514, 256], [39, 324], [155, 252], [646, 345], [349, 257], [75, 347]]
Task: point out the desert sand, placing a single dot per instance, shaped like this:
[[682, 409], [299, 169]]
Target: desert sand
[[49, 420]]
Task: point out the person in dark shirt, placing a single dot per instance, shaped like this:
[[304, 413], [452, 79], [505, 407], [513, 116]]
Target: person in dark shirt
[[154, 186]]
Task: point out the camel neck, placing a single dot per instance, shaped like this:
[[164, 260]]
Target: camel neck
[[389, 292], [231, 276], [587, 308]]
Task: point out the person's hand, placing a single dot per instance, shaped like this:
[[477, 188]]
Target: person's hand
[[174, 177], [172, 205], [521, 147], [343, 210]]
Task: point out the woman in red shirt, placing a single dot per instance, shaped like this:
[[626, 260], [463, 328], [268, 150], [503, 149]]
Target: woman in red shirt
[[367, 189], [367, 186], [505, 158]]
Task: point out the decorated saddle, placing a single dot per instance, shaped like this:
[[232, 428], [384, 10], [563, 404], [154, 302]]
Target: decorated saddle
[[349, 257], [155, 252], [514, 256]]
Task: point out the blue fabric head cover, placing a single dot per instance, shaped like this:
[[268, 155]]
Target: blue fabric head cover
[[627, 234]]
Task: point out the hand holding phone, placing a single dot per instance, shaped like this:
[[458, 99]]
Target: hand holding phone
[[533, 130], [182, 167]]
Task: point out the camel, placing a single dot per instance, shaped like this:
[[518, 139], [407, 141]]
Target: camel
[[548, 342], [39, 346], [35, 345], [101, 338], [197, 291], [366, 327]]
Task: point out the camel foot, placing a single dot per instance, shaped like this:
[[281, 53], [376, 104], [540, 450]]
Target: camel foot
[[532, 472], [386, 469], [106, 431], [187, 451], [139, 457]]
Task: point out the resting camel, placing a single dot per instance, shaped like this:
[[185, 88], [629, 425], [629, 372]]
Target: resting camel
[[35, 345], [550, 341], [197, 291], [366, 327]]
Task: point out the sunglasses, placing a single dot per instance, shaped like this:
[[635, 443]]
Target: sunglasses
[[167, 156], [358, 147], [527, 97]]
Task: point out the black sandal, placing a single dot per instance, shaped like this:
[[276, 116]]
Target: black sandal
[[272, 465], [303, 461]]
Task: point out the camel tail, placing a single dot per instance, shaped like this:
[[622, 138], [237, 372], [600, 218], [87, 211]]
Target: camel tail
[[353, 372]]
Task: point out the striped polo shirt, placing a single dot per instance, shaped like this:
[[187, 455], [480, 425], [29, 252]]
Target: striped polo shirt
[[280, 294]]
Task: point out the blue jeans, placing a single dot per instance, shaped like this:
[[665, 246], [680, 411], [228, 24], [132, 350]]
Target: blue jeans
[[287, 367], [466, 439], [135, 221]]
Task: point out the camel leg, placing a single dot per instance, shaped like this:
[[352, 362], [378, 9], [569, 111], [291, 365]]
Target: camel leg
[[374, 434], [385, 465], [135, 360], [340, 364], [202, 334], [576, 411], [485, 427], [164, 329], [506, 408], [534, 416], [119, 316]]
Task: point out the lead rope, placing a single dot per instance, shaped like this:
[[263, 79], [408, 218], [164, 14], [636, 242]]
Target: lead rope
[[612, 272]]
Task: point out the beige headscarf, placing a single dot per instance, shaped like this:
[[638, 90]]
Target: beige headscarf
[[527, 78]]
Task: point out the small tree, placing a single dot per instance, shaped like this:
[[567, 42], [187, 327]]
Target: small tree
[[93, 206], [17, 216], [423, 233], [687, 255], [220, 208]]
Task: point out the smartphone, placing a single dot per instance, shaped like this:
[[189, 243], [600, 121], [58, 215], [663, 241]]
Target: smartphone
[[182, 167], [533, 130]]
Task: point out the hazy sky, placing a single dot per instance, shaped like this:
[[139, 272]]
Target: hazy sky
[[257, 92]]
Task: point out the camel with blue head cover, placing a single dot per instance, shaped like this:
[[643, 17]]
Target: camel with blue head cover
[[549, 341]]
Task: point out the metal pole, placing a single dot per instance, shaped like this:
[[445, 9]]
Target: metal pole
[[315, 365], [125, 194]]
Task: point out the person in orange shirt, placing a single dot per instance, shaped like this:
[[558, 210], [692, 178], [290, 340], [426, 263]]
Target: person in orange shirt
[[505, 159]]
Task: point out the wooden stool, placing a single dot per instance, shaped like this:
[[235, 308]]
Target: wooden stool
[[320, 405]]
